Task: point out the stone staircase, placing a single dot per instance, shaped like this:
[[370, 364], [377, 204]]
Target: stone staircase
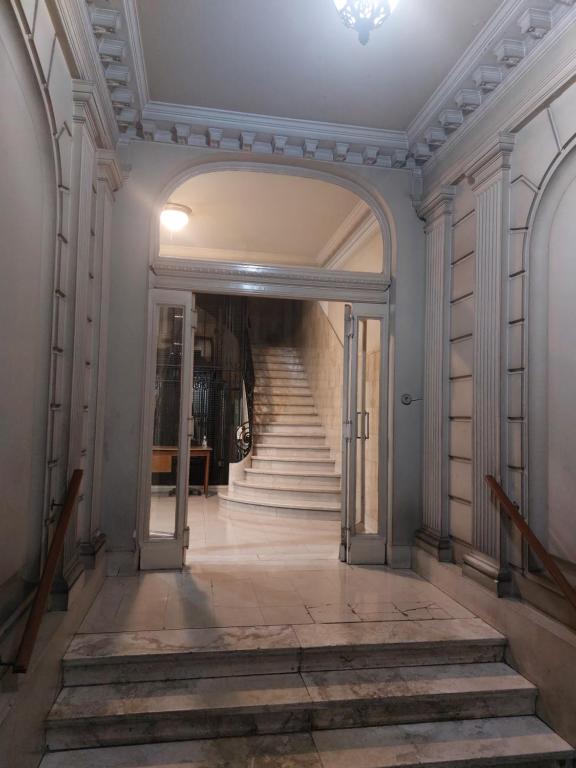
[[368, 695], [292, 472]]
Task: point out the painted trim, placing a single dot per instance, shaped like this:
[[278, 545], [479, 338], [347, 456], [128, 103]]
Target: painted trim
[[537, 98], [136, 50], [247, 121], [280, 282]]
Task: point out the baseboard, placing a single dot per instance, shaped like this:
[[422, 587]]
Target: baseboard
[[399, 556]]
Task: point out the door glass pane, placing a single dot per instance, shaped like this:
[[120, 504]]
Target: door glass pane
[[367, 426], [166, 428]]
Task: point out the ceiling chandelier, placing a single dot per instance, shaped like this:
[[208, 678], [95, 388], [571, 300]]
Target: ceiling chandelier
[[364, 15], [175, 217]]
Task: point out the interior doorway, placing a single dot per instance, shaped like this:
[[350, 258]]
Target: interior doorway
[[264, 436]]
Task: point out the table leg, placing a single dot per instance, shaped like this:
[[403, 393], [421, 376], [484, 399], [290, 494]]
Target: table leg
[[206, 473]]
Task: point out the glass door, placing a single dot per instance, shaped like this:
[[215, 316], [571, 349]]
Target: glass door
[[365, 434], [166, 454]]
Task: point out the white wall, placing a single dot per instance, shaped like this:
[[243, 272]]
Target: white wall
[[27, 224], [152, 168], [562, 380]]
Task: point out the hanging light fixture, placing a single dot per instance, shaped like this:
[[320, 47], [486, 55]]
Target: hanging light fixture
[[175, 217], [364, 15]]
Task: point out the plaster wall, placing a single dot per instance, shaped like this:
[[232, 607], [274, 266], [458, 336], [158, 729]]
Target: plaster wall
[[322, 348], [152, 167], [27, 223]]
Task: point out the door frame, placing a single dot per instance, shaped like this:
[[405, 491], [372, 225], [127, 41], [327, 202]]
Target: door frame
[[166, 554], [365, 548], [173, 278]]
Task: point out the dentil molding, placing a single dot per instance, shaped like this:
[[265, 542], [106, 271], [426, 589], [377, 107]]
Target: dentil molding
[[504, 48]]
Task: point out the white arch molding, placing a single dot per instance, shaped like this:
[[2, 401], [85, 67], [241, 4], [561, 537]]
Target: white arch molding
[[280, 282], [558, 179]]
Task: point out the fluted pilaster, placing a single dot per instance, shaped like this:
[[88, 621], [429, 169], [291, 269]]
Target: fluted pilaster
[[435, 533], [490, 180]]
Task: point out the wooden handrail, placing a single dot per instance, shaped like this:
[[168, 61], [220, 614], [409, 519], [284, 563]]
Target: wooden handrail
[[42, 593], [534, 542]]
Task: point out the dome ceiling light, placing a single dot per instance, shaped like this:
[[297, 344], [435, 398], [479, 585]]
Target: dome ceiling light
[[175, 217], [364, 15]]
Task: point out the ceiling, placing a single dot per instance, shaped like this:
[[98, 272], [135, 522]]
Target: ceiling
[[259, 217], [295, 58]]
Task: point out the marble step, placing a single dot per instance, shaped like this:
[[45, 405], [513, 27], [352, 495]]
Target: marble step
[[279, 409], [273, 393], [295, 428], [288, 438], [296, 450], [123, 657], [293, 382], [281, 378], [293, 464], [138, 713], [276, 354], [523, 742], [328, 480], [278, 368], [271, 421], [288, 397], [236, 507], [285, 494]]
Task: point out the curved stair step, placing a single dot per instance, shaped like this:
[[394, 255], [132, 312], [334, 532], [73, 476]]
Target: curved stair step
[[287, 494], [230, 503]]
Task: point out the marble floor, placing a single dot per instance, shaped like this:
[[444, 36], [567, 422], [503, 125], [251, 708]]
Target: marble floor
[[263, 572]]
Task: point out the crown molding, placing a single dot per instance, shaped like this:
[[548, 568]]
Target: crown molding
[[80, 48], [137, 50], [268, 124], [500, 114], [267, 134], [510, 46], [483, 42]]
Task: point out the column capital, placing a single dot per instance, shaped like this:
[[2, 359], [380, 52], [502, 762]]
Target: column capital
[[108, 169], [438, 203], [493, 161], [86, 111]]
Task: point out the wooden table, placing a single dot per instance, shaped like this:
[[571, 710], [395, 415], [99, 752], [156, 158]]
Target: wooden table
[[162, 456]]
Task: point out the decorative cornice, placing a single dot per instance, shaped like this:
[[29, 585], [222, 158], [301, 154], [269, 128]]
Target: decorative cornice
[[81, 47], [119, 43], [507, 47], [264, 134], [137, 50], [266, 124]]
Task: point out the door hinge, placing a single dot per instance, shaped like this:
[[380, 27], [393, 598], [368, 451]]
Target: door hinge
[[194, 322]]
